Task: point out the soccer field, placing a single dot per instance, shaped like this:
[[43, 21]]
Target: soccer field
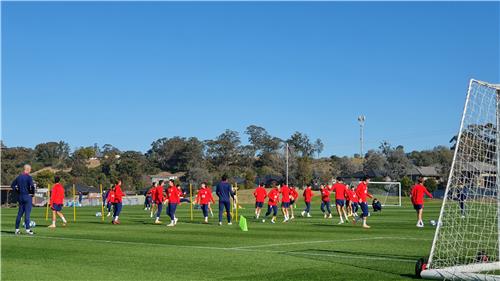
[[305, 249]]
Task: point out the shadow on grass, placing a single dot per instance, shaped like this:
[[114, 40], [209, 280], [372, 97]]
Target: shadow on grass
[[323, 255]]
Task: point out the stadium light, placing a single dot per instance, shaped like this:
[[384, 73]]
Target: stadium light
[[361, 120]]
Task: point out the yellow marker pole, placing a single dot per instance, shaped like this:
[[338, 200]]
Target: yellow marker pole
[[48, 200], [191, 199], [231, 207], [236, 200], [74, 204], [102, 203]]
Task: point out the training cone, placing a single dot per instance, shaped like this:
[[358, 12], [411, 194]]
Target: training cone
[[243, 223]]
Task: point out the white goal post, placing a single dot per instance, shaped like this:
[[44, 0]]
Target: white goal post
[[388, 193], [466, 241]]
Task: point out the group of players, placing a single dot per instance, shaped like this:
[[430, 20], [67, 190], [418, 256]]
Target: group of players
[[347, 200]]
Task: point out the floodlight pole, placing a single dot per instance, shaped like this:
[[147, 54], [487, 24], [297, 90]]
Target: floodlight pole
[[286, 147], [361, 120]]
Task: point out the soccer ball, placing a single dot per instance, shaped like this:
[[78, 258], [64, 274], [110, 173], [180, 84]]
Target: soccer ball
[[433, 222], [98, 214], [32, 224]]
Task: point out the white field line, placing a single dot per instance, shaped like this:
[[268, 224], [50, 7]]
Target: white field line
[[328, 241], [245, 249]]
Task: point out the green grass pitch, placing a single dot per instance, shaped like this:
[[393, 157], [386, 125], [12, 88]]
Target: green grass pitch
[[305, 249]]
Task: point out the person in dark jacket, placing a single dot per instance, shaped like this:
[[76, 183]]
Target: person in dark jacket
[[24, 188], [224, 191]]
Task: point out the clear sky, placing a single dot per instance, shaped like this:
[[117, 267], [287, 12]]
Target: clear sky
[[129, 73]]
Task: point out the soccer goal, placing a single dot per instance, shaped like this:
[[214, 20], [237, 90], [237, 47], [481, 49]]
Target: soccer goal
[[388, 193], [466, 242]]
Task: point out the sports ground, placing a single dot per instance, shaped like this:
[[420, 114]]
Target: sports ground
[[305, 249]]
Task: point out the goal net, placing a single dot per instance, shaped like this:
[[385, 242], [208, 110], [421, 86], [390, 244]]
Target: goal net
[[388, 193], [466, 242]]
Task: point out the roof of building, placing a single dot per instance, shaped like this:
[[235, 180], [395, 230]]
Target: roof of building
[[424, 171], [168, 175]]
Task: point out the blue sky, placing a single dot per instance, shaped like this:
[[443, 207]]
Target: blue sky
[[128, 73]]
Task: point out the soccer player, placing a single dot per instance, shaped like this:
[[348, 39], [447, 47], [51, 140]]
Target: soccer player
[[56, 202], [272, 203], [362, 193], [110, 198], [224, 192], [203, 198], [158, 198], [340, 190], [325, 201], [294, 195], [308, 194], [24, 188], [260, 194], [285, 201], [174, 198], [147, 197], [117, 205], [354, 202], [417, 198]]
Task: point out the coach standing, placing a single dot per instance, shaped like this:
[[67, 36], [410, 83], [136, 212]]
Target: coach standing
[[224, 191], [24, 188]]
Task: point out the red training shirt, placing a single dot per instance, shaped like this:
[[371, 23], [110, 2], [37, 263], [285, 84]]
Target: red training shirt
[[260, 194], [362, 192], [57, 195], [307, 195], [285, 194], [417, 194], [174, 195], [274, 196], [325, 194], [339, 189]]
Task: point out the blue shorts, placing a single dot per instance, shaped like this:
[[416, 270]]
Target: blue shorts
[[364, 208], [285, 204], [417, 206], [259, 204], [340, 203], [57, 207]]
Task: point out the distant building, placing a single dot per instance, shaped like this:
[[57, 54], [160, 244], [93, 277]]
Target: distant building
[[423, 171], [165, 176]]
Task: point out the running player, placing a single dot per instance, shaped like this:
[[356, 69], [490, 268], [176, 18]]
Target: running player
[[325, 201], [285, 201], [174, 198], [417, 198], [308, 194], [110, 198], [340, 191], [158, 199], [56, 202], [117, 205], [272, 203], [362, 193], [260, 194], [294, 195], [203, 198]]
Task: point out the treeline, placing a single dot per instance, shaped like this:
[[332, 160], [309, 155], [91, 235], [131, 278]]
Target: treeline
[[207, 160]]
